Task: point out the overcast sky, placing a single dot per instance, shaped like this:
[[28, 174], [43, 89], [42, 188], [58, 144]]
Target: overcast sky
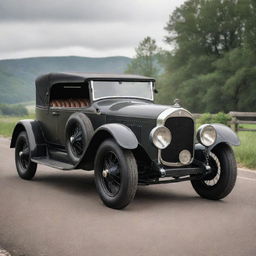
[[94, 28]]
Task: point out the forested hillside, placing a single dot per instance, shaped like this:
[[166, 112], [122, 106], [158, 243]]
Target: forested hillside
[[17, 76]]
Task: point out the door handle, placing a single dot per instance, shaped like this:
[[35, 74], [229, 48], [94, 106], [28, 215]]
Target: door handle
[[55, 113]]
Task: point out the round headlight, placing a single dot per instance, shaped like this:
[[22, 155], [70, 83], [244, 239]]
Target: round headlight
[[161, 137], [207, 135]]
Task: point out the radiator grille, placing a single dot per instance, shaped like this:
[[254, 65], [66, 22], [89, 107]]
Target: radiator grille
[[182, 129]]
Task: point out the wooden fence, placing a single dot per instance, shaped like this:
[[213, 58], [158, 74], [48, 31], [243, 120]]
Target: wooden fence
[[238, 118], [242, 118]]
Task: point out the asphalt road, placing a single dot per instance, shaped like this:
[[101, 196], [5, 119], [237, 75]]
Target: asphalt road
[[60, 213]]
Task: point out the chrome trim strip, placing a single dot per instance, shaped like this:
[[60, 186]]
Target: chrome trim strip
[[71, 87], [174, 112]]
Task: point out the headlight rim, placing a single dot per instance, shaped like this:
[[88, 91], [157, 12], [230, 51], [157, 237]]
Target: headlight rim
[[152, 133], [200, 131]]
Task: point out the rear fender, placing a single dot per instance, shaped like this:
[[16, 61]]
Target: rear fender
[[34, 134]]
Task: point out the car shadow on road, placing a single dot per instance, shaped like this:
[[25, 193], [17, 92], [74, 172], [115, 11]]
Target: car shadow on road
[[82, 184], [73, 183]]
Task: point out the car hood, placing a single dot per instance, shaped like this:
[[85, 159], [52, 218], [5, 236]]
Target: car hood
[[131, 109]]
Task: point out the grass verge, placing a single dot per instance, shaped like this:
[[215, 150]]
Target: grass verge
[[246, 152], [7, 123]]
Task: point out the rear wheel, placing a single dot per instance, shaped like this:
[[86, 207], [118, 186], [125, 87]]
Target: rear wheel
[[116, 175], [25, 168], [220, 182]]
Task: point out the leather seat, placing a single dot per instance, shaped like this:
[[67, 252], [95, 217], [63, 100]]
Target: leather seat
[[70, 103], [55, 103]]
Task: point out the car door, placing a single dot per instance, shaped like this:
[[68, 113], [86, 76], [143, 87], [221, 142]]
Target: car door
[[51, 122]]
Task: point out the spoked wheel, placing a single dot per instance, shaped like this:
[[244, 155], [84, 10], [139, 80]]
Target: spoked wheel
[[212, 178], [79, 132], [25, 168], [221, 180], [76, 140], [116, 175], [111, 176]]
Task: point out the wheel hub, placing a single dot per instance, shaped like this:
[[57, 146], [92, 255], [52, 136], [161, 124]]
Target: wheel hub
[[72, 139], [111, 174], [105, 173]]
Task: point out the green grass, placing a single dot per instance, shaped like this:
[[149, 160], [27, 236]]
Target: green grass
[[7, 124], [248, 126], [246, 152]]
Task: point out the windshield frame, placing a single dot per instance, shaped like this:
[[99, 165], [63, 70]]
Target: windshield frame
[[129, 97]]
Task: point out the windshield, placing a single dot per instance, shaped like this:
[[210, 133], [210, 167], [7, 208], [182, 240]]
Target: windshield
[[123, 89]]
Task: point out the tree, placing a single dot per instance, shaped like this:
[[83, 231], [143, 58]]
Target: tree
[[145, 62], [212, 66], [13, 110]]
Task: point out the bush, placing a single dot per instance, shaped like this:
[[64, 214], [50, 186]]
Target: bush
[[205, 118], [13, 110], [220, 117]]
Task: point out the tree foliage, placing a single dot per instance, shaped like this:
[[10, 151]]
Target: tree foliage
[[145, 61], [13, 110], [213, 65]]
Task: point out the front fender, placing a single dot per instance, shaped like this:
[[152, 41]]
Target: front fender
[[122, 134], [34, 134], [226, 135]]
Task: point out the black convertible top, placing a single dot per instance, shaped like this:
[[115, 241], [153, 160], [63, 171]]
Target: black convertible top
[[45, 82]]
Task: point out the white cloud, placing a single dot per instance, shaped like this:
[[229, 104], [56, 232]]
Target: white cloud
[[86, 10], [95, 28]]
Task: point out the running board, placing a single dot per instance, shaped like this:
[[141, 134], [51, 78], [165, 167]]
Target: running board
[[53, 163]]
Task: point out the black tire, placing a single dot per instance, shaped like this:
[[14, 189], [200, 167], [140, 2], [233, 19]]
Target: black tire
[[118, 188], [25, 167], [79, 131], [221, 181]]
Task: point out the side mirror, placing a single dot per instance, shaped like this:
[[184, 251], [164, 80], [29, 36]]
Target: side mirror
[[155, 90]]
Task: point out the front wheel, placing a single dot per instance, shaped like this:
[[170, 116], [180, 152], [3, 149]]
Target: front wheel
[[116, 175], [220, 182], [25, 167]]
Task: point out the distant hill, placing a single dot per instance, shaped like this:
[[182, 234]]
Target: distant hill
[[17, 76]]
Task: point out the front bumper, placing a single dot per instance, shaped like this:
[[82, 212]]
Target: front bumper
[[196, 171], [179, 172]]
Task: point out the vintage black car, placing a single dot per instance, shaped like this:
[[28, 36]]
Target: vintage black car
[[110, 124]]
